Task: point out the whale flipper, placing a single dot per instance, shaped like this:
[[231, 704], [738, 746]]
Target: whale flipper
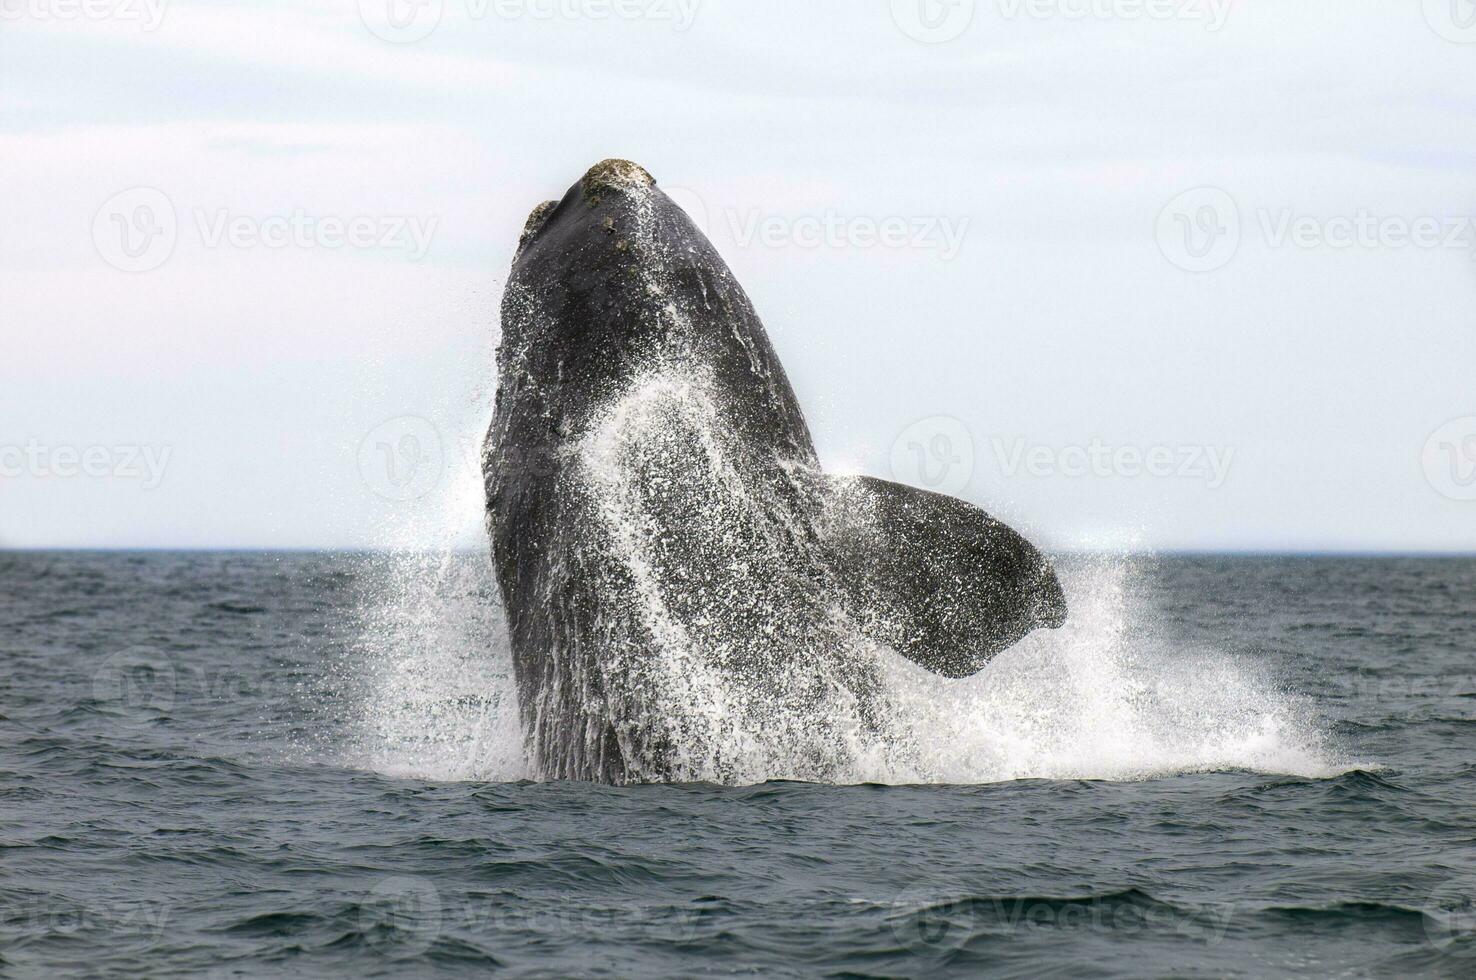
[[935, 578]]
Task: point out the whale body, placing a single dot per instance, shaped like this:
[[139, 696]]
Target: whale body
[[687, 594]]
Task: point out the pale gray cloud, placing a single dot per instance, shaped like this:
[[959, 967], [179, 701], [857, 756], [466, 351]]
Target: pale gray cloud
[[1044, 145]]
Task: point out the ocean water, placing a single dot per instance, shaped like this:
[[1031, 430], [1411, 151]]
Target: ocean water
[[310, 764]]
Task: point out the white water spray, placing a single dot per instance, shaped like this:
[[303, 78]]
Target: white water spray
[[1109, 696]]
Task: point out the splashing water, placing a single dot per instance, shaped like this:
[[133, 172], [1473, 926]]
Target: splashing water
[[1105, 697], [750, 671], [430, 671], [438, 699]]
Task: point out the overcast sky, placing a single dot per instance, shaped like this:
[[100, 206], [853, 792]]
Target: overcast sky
[[1128, 273]]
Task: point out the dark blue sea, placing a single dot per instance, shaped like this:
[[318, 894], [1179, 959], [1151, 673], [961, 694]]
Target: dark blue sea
[[250, 764]]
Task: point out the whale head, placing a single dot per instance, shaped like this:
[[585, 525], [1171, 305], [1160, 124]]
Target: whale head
[[613, 282]]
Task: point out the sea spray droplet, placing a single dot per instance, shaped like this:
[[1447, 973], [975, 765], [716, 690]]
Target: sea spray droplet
[[1110, 696]]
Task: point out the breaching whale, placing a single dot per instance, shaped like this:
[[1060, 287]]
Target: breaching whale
[[687, 595]]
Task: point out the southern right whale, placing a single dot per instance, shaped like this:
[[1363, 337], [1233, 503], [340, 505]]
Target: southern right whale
[[688, 596]]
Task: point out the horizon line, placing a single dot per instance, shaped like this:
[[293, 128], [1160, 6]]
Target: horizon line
[[1073, 552]]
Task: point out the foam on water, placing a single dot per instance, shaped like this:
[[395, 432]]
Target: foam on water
[[437, 699], [1105, 697], [430, 671]]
